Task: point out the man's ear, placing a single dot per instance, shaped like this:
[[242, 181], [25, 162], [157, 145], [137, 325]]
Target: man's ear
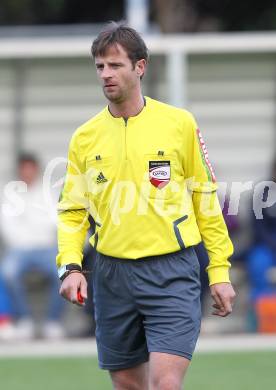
[[140, 67]]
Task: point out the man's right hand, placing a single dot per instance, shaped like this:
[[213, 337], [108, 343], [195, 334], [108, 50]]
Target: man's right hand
[[71, 285]]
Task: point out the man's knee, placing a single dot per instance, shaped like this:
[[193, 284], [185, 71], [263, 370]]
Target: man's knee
[[131, 379], [121, 383], [165, 382], [135, 378]]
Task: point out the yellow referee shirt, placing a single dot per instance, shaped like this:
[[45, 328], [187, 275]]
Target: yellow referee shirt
[[148, 184]]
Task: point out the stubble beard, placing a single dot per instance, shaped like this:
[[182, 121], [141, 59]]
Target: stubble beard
[[114, 97]]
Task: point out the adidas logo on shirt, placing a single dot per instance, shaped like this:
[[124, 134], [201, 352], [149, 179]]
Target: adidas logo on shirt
[[101, 178]]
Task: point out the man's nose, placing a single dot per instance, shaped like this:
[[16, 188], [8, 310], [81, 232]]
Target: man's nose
[[106, 73]]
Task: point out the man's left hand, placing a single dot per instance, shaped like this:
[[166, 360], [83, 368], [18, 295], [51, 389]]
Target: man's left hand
[[223, 294]]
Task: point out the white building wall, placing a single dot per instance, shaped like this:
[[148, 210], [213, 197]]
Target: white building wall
[[232, 95]]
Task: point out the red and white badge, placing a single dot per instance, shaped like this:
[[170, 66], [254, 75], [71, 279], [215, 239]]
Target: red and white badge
[[159, 173], [205, 155]]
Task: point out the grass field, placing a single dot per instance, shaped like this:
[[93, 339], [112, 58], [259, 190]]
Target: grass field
[[220, 371]]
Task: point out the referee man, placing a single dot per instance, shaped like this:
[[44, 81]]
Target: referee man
[[140, 168]]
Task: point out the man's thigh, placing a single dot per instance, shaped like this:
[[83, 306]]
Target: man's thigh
[[164, 371], [168, 295], [167, 371]]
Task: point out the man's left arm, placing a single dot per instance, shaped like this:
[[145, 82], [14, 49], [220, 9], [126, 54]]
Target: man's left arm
[[219, 247], [209, 218]]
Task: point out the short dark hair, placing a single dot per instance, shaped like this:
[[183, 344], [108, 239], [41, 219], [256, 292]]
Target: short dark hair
[[119, 33], [24, 157]]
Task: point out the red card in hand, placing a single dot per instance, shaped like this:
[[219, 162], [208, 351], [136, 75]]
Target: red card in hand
[[80, 297]]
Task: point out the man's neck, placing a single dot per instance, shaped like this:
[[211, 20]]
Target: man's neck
[[130, 107]]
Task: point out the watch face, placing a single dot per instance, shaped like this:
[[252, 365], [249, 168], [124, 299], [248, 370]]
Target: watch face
[[61, 271]]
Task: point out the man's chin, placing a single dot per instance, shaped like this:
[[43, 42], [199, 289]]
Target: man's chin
[[113, 97]]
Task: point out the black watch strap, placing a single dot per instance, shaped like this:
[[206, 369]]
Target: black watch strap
[[65, 270]]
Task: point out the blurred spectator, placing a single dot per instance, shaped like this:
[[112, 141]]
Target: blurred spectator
[[29, 237], [262, 255], [7, 330]]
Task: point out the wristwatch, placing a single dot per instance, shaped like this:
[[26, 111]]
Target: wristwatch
[[65, 270]]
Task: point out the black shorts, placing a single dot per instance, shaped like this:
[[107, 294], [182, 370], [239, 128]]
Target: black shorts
[[146, 305]]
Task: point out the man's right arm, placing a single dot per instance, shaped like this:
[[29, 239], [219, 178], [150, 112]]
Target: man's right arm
[[73, 221]]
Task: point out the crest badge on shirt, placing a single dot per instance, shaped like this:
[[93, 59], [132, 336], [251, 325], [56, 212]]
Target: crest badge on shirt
[[159, 173]]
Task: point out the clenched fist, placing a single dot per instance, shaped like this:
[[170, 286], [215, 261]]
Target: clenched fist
[[74, 284], [223, 294]]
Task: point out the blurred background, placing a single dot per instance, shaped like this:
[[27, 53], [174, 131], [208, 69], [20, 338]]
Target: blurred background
[[216, 59]]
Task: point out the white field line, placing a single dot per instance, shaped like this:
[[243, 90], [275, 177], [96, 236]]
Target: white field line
[[87, 347], [242, 342]]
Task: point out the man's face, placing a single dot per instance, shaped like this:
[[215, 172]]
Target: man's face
[[28, 171], [118, 76]]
